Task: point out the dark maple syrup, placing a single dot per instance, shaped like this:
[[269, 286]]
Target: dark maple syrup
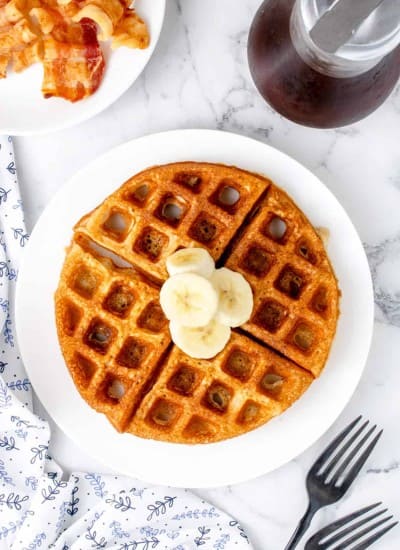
[[300, 92]]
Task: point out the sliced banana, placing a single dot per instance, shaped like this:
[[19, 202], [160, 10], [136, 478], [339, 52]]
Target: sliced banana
[[191, 260], [189, 299], [235, 297], [200, 342]]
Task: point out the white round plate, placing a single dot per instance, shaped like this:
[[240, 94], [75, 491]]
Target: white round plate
[[233, 460], [24, 111]]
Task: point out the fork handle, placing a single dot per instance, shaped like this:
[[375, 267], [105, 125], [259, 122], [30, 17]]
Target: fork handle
[[302, 526]]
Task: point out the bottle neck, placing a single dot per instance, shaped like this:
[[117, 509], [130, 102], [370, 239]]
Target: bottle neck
[[319, 60]]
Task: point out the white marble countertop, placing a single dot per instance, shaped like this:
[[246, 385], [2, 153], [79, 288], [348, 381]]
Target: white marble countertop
[[198, 77]]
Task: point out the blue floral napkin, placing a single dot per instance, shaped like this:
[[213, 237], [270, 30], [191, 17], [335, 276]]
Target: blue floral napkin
[[40, 509]]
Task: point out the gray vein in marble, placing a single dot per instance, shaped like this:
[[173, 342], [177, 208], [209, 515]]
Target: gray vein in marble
[[387, 297], [391, 468], [143, 82], [191, 57], [347, 131], [330, 149], [395, 180], [225, 120]]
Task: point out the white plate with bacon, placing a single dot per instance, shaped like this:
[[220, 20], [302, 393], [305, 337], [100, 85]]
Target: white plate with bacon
[[64, 61]]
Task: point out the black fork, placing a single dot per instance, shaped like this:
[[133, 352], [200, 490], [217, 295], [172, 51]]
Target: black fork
[[358, 531], [329, 477]]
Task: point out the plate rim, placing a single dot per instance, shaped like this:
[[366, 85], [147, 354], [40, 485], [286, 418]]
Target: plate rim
[[10, 130], [208, 137]]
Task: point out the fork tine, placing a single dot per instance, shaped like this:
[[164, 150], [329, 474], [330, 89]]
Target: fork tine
[[351, 455], [373, 538], [353, 527], [343, 449], [332, 446], [359, 463], [332, 527], [357, 536]]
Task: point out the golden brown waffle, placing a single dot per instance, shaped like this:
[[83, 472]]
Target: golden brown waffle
[[112, 332], [173, 206], [200, 401], [295, 291], [115, 338]]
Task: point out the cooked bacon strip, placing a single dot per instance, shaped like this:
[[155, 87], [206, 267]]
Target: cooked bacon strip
[[106, 13], [68, 11], [20, 42], [3, 65], [45, 18], [28, 56], [73, 62], [16, 37], [12, 11], [5, 27], [131, 32], [63, 35]]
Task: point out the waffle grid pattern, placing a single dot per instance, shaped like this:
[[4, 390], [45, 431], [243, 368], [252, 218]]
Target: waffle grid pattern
[[160, 210], [114, 332], [115, 338], [198, 400], [295, 292]]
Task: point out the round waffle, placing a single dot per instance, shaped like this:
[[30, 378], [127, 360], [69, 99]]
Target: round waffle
[[115, 338]]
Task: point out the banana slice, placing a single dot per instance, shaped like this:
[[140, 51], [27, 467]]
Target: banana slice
[[191, 260], [235, 297], [189, 299], [200, 342]]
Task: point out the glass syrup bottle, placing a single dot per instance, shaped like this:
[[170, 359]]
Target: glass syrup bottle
[[310, 86]]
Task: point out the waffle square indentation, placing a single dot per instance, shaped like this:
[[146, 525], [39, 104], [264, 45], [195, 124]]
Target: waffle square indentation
[[227, 197], [152, 318], [119, 300], [319, 301], [198, 427], [238, 364], [217, 397], [249, 413], [151, 243], [184, 380], [84, 368], [257, 261], [112, 389], [139, 195], [271, 383], [291, 282], [304, 250], [171, 209], [302, 337], [99, 335], [163, 413], [204, 229], [71, 317], [84, 282], [190, 180], [116, 225], [132, 353], [270, 315], [276, 229]]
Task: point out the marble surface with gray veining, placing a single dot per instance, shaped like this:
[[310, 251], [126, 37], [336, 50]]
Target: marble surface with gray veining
[[199, 78]]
